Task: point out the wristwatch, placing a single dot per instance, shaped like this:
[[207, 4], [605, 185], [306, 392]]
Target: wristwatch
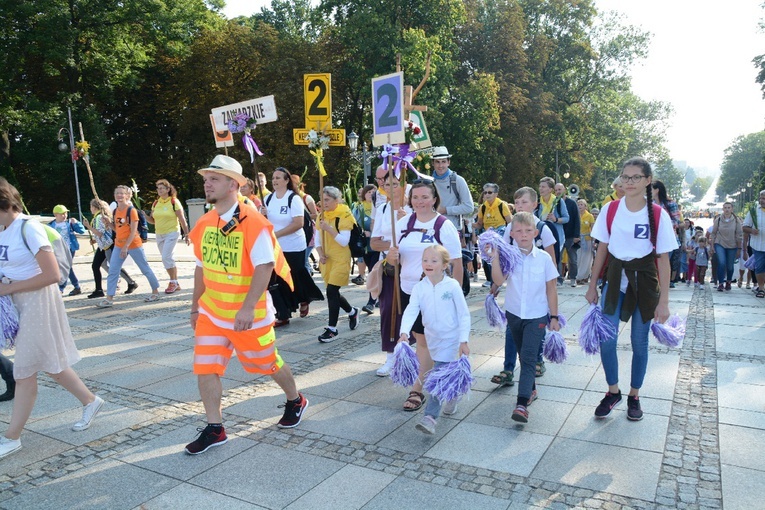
[[554, 317]]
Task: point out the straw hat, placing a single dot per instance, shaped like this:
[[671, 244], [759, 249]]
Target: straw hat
[[227, 166]]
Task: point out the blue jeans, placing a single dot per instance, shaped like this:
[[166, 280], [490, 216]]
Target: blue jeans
[[511, 351], [72, 276], [433, 407], [529, 335], [115, 264], [639, 337], [725, 260]]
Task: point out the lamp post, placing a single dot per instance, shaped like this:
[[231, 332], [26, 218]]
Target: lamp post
[[63, 148], [566, 173], [364, 156]]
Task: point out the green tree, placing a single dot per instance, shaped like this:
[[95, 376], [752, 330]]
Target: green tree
[[741, 162]]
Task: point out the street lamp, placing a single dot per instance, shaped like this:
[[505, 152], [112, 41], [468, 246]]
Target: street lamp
[[63, 148], [364, 156], [567, 172]]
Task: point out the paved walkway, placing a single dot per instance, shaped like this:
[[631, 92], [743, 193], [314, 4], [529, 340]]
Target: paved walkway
[[699, 445]]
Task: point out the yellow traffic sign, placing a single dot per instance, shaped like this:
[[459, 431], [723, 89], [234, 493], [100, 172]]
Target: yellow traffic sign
[[317, 91], [336, 137]]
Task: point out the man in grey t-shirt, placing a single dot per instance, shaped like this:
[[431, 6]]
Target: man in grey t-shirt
[[456, 200]]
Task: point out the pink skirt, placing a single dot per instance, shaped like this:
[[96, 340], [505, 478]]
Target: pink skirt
[[44, 342]]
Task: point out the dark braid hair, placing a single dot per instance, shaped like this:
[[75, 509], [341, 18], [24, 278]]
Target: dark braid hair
[[645, 166]]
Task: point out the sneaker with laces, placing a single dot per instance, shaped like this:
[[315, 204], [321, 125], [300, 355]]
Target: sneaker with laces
[[532, 398], [88, 413], [172, 287], [727, 286], [368, 308], [486, 285], [75, 292], [520, 414], [607, 404], [208, 437], [427, 425], [328, 336], [634, 413], [96, 294], [353, 318], [385, 370], [293, 412], [720, 288], [131, 288], [8, 446]]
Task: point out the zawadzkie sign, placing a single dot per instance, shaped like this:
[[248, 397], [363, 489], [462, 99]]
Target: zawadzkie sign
[[262, 109]]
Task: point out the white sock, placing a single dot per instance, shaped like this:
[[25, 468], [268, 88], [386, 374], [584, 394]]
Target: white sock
[[389, 357]]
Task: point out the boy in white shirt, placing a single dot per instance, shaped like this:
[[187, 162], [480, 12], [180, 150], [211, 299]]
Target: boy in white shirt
[[530, 300]]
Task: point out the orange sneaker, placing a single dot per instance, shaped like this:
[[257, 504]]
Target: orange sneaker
[[172, 287]]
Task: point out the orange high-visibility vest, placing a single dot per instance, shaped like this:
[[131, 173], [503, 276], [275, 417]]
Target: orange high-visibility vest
[[226, 266]]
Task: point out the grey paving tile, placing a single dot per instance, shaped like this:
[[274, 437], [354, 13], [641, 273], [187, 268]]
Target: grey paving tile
[[512, 450], [131, 331], [164, 336], [658, 406], [165, 454], [266, 474], [738, 372], [751, 419], [557, 393], [349, 488], [742, 489], [183, 388], [93, 364], [659, 380], [567, 376], [105, 484], [333, 383], [265, 406], [730, 395], [408, 439], [356, 421], [190, 496], [736, 447], [408, 493], [34, 448], [50, 402], [648, 434], [497, 409], [124, 348], [138, 375], [600, 467]]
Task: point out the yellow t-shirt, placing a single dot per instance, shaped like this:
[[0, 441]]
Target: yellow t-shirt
[[493, 215], [163, 213], [586, 223], [547, 207]]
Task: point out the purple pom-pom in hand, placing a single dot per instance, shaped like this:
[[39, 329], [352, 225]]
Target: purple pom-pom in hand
[[451, 381], [595, 329], [554, 348], [9, 322], [749, 263], [509, 255], [671, 333], [494, 314], [406, 366], [561, 320]]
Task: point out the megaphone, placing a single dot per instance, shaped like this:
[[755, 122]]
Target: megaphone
[[574, 190]]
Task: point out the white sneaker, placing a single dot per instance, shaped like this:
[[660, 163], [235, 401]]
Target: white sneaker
[[384, 371], [88, 413], [8, 446], [427, 425], [486, 284], [573, 283], [450, 408]]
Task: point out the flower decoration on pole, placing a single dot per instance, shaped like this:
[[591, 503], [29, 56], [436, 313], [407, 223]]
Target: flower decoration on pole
[[136, 198], [243, 123], [317, 142], [402, 153], [81, 150], [411, 129]]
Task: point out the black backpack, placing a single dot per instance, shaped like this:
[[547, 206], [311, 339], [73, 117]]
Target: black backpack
[[358, 242], [307, 221], [143, 225]]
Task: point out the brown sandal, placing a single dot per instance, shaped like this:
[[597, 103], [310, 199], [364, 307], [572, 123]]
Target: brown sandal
[[417, 399], [304, 309]]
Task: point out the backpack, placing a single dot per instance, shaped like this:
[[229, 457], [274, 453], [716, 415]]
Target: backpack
[[307, 221], [358, 242], [60, 250], [453, 186], [538, 239], [610, 220], [143, 226], [553, 229], [440, 219]]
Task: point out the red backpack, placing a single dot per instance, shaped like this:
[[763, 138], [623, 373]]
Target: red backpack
[[610, 220]]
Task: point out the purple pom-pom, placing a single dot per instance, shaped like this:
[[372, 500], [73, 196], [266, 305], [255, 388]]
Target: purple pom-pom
[[595, 328], [509, 255], [561, 320], [406, 366], [451, 381], [671, 333], [9, 322], [749, 263], [554, 348], [494, 314]]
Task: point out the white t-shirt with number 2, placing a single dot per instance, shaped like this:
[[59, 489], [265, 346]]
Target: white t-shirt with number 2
[[280, 214], [16, 261]]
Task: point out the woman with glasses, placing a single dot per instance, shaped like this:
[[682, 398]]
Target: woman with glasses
[[493, 214], [659, 195], [284, 209], [423, 228], [335, 225], [167, 216], [381, 242], [635, 241]]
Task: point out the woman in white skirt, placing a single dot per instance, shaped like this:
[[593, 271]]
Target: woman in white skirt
[[44, 341]]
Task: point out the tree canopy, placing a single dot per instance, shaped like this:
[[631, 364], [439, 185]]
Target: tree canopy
[[513, 84]]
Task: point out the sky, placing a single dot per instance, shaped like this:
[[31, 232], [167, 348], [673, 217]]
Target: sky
[[699, 61]]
